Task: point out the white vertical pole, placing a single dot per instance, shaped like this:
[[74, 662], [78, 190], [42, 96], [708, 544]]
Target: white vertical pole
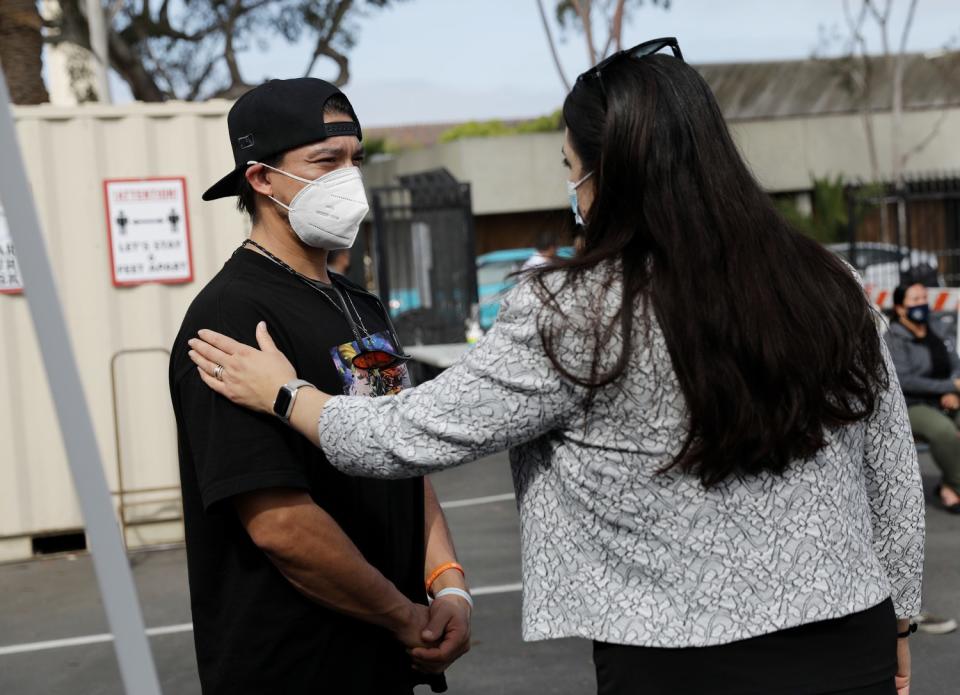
[[98, 43], [117, 590], [956, 298]]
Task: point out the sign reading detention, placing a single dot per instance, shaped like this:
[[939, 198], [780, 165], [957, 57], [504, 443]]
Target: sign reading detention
[[149, 230], [10, 282]]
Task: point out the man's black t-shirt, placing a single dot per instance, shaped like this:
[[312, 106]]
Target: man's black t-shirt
[[254, 632]]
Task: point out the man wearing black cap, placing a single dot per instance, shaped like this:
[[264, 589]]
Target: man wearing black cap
[[303, 580]]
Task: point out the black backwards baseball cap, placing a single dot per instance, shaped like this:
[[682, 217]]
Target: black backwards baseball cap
[[277, 116]]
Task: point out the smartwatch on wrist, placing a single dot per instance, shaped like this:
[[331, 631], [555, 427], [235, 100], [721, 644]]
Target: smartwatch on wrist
[[286, 397]]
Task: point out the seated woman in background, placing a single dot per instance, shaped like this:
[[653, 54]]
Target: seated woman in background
[[929, 373]]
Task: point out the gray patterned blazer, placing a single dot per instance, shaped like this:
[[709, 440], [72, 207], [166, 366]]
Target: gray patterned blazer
[[614, 550]]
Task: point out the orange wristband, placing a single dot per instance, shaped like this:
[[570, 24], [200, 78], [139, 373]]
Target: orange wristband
[[440, 570]]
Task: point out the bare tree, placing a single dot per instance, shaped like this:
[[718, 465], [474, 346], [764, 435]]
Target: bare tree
[[862, 75], [859, 70], [600, 21], [895, 65], [553, 46], [189, 49]]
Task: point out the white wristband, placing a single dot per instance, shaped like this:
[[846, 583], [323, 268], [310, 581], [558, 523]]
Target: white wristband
[[454, 591]]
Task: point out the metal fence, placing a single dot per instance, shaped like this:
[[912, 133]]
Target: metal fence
[[907, 234], [424, 252]]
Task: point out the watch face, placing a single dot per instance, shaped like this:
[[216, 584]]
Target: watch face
[[282, 403]]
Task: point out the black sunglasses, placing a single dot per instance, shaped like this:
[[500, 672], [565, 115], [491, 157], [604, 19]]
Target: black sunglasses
[[641, 50]]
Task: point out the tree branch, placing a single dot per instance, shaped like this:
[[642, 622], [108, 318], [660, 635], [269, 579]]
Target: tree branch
[[898, 94], [583, 9], [911, 11], [343, 64], [616, 28], [898, 67], [324, 41], [553, 46], [197, 84], [229, 53], [114, 11], [131, 68], [863, 80], [931, 136]]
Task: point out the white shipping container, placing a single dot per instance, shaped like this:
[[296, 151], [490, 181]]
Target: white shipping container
[[120, 335]]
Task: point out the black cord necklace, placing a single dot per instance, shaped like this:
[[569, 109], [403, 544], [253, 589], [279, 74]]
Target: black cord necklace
[[340, 306]]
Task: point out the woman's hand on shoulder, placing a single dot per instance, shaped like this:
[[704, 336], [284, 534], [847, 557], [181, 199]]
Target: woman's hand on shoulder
[[246, 375]]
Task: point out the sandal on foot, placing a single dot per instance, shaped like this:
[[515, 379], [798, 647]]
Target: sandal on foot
[[952, 508]]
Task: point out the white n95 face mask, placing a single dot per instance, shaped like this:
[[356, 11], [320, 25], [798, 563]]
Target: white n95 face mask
[[327, 212]]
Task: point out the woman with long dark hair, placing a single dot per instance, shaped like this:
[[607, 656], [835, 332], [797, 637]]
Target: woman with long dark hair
[[713, 462]]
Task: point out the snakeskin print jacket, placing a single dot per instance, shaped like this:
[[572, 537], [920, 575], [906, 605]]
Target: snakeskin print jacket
[[617, 551]]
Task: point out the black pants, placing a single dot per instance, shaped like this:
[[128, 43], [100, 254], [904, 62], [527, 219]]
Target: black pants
[[625, 670], [831, 657]]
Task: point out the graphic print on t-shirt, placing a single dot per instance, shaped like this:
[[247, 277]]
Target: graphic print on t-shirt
[[369, 382]]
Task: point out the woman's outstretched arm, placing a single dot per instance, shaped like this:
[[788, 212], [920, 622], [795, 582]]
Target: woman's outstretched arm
[[504, 392]]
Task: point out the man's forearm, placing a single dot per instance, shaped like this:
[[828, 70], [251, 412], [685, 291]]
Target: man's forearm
[[439, 541], [326, 566], [319, 559], [449, 615]]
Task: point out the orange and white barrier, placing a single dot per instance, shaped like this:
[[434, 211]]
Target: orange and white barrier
[[941, 298]]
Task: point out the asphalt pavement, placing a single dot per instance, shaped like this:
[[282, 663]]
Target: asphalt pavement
[[54, 641]]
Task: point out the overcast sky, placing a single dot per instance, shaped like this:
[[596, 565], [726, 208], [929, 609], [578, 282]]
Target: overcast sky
[[451, 60]]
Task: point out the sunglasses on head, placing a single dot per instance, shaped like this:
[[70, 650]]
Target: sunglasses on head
[[641, 50]]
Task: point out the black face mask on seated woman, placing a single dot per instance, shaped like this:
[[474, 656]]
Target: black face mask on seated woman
[[919, 314]]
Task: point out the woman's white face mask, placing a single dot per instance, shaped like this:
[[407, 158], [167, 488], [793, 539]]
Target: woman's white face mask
[[327, 212]]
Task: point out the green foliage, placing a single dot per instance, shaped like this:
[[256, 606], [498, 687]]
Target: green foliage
[[830, 220], [496, 128], [475, 129], [374, 146], [830, 216], [544, 124], [828, 223]]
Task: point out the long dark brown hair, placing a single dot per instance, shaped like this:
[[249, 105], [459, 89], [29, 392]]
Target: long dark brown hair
[[770, 335]]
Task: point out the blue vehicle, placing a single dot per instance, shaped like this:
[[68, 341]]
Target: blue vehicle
[[402, 301], [495, 277]]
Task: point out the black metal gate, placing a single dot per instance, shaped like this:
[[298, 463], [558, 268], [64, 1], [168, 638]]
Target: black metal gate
[[424, 251], [907, 234]]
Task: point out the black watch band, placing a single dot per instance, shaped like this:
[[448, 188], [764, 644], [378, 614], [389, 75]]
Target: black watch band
[[909, 631]]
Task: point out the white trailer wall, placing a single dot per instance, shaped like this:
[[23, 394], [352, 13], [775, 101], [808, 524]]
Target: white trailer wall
[[69, 152]]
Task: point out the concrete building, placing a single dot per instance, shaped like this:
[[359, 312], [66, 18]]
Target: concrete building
[[792, 120]]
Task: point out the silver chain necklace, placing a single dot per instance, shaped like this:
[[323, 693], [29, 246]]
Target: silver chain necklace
[[303, 278]]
